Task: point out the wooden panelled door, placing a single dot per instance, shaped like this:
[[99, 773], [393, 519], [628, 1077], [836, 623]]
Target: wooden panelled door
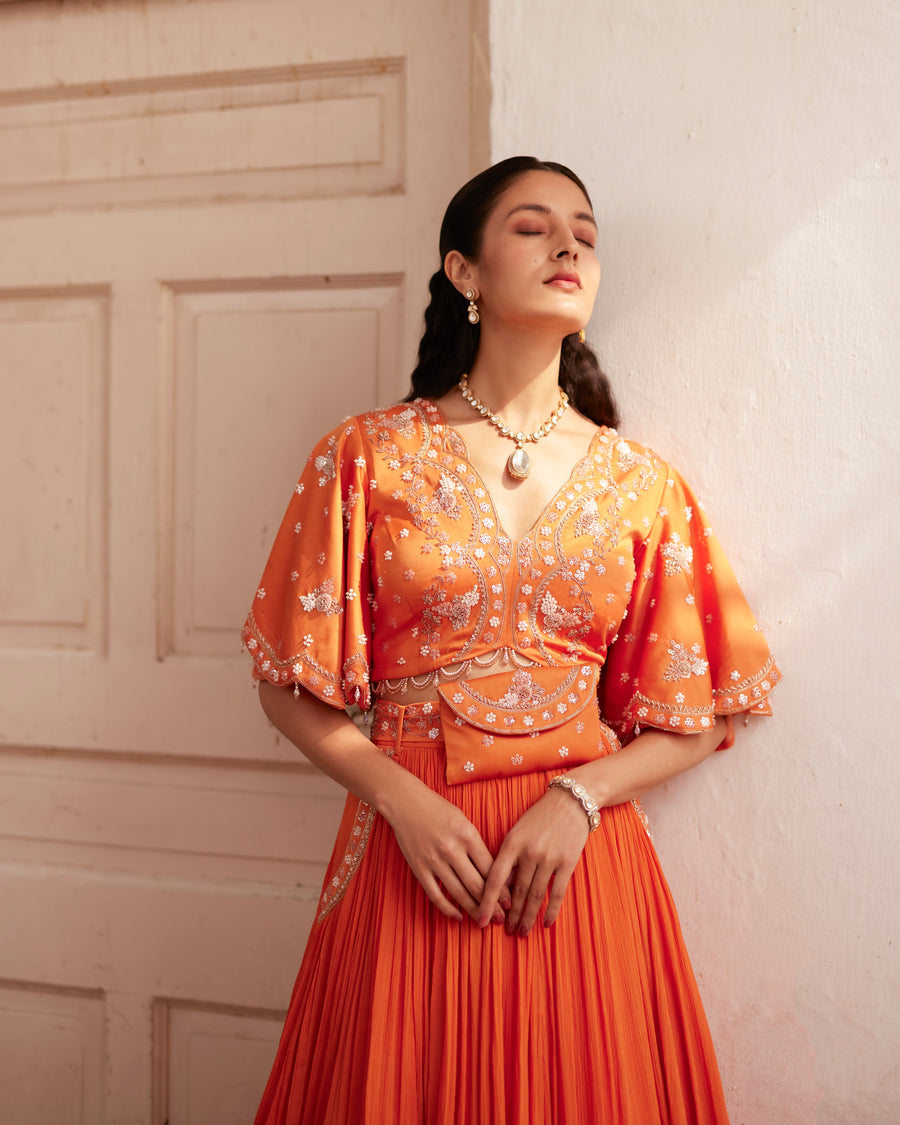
[[217, 221]]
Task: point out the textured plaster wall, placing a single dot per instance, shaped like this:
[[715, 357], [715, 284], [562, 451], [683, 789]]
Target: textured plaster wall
[[743, 160]]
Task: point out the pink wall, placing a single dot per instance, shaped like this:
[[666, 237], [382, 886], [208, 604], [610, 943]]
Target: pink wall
[[743, 163]]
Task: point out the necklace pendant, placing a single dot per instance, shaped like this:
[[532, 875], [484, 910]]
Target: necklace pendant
[[519, 464]]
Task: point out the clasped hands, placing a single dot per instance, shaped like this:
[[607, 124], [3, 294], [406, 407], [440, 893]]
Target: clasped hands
[[458, 873]]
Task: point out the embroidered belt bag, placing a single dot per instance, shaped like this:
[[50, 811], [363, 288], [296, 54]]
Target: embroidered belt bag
[[517, 722]]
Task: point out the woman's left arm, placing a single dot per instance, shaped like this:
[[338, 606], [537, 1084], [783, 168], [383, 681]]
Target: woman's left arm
[[547, 841]]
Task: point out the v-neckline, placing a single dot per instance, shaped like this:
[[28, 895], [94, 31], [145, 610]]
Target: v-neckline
[[501, 530]]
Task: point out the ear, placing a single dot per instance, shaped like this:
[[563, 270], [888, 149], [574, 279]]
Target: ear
[[461, 273]]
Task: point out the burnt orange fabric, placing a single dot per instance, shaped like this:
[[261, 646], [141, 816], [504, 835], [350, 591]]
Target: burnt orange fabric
[[391, 566], [391, 563], [516, 722], [400, 1015]]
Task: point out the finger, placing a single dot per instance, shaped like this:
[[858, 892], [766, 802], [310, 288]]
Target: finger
[[472, 869], [456, 889], [558, 889], [436, 896], [495, 893], [520, 890], [481, 858], [537, 892]]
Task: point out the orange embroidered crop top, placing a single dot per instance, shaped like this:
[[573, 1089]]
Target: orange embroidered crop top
[[391, 565]]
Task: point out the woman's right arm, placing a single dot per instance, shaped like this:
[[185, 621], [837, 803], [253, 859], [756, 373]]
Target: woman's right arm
[[441, 845]]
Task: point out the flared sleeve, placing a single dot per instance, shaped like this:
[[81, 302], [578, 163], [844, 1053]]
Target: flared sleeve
[[310, 622], [689, 648]]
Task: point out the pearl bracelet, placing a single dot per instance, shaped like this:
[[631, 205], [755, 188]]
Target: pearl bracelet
[[581, 795]]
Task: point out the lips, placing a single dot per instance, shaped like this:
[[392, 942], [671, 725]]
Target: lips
[[569, 280]]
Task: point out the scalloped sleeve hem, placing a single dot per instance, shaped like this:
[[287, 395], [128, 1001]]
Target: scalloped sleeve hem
[[750, 697], [350, 689]]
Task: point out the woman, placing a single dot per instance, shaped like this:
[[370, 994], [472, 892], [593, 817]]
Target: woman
[[495, 942]]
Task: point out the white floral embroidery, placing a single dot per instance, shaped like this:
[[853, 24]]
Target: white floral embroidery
[[404, 422], [684, 664], [564, 751], [589, 523], [445, 500], [325, 463], [678, 556], [348, 505], [322, 600], [555, 617], [457, 609], [261, 593], [522, 692], [469, 767], [517, 759]]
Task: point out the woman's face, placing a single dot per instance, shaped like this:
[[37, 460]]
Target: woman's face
[[538, 266]]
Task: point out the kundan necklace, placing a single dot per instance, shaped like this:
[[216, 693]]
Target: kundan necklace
[[519, 463]]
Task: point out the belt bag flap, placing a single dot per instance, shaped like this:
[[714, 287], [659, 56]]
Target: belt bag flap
[[516, 722]]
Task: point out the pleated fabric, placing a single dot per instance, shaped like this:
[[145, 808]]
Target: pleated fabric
[[402, 1016]]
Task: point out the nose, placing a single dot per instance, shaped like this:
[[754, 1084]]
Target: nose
[[568, 248]]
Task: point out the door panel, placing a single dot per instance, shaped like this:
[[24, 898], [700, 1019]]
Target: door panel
[[217, 222]]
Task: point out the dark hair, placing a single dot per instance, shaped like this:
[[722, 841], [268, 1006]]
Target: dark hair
[[450, 343]]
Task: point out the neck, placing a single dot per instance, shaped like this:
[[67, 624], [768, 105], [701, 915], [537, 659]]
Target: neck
[[517, 377]]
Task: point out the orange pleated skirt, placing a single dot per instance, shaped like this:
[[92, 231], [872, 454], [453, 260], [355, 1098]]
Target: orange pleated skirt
[[401, 1016]]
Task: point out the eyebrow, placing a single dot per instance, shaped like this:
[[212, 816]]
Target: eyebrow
[[585, 216]]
